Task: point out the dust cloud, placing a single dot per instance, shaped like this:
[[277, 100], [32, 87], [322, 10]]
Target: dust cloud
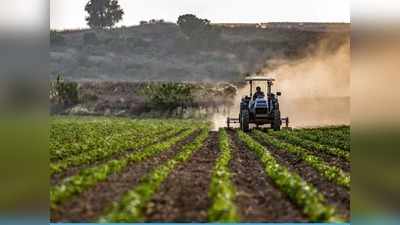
[[315, 89]]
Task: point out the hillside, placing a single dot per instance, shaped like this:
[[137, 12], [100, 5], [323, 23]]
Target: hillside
[[162, 52]]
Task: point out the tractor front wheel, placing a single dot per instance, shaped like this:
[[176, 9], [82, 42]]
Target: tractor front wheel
[[244, 120]]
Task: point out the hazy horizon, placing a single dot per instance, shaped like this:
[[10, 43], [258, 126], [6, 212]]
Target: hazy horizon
[[67, 14]]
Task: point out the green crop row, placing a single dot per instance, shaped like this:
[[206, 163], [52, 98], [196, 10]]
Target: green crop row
[[222, 191], [94, 140], [291, 138], [343, 133], [298, 190], [72, 136], [130, 207], [69, 137], [341, 141], [114, 144], [331, 173], [90, 176], [331, 128], [66, 130]]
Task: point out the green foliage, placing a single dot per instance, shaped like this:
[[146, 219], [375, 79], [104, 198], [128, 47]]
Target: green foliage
[[198, 30], [291, 137], [298, 190], [75, 135], [222, 191], [168, 95], [101, 142], [331, 173], [88, 177], [191, 25], [129, 209], [103, 13], [65, 92], [338, 137]]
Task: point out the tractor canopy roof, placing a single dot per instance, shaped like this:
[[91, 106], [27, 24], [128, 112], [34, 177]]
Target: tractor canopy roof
[[258, 78]]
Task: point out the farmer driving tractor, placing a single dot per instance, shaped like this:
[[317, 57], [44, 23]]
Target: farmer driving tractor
[[259, 108], [258, 93]]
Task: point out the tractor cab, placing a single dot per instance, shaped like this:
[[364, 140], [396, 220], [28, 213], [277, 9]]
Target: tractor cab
[[262, 104], [259, 107]]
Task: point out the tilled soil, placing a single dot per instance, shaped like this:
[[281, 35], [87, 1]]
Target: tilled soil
[[329, 159], [258, 200], [334, 194], [73, 170], [183, 197], [332, 160], [89, 205]]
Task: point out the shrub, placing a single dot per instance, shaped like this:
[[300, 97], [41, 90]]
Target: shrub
[[168, 96], [66, 92], [200, 31]]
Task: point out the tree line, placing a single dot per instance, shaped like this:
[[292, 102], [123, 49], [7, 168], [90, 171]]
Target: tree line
[[102, 14]]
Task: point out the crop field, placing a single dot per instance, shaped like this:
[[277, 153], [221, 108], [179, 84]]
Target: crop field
[[169, 170]]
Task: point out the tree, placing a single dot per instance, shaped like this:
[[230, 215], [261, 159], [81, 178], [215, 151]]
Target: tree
[[66, 93], [200, 31], [103, 13], [193, 26]]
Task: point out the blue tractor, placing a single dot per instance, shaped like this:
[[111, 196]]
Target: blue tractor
[[259, 109]]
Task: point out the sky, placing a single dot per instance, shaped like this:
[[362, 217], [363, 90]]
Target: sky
[[70, 14]]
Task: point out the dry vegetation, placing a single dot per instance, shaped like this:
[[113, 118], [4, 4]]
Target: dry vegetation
[[162, 52]]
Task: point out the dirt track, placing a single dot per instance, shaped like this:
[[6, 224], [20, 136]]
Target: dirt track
[[184, 195], [258, 199]]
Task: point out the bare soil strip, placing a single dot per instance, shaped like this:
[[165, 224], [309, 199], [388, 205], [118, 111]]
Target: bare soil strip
[[334, 194], [73, 170], [258, 200], [183, 197], [88, 206], [331, 160]]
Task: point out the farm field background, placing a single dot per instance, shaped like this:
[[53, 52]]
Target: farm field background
[[133, 170]]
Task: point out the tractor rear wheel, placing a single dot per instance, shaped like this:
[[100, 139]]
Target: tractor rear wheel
[[276, 124], [244, 120]]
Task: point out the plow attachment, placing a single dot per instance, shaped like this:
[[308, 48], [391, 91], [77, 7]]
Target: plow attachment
[[230, 121]]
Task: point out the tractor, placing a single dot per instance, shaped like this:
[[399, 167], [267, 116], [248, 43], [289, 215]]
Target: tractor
[[261, 109]]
